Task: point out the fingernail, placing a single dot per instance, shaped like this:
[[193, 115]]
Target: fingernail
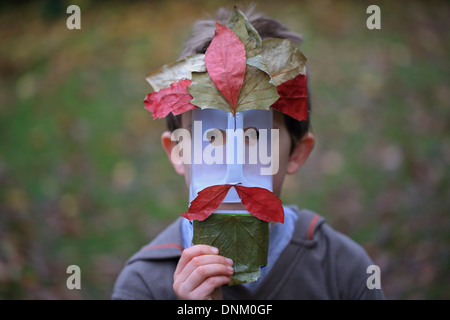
[[230, 269], [229, 261], [214, 250]]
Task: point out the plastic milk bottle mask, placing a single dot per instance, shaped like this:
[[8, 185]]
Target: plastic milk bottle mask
[[245, 155], [241, 151]]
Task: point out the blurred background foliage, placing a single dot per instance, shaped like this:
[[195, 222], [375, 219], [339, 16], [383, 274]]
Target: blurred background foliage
[[84, 180]]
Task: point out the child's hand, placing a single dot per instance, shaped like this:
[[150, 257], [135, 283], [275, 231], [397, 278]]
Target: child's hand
[[200, 271]]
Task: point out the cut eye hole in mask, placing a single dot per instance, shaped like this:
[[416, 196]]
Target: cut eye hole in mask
[[218, 137], [251, 135]]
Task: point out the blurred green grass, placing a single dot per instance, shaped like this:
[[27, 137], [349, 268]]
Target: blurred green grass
[[84, 180]]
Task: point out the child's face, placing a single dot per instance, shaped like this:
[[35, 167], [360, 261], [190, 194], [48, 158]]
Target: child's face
[[288, 163]]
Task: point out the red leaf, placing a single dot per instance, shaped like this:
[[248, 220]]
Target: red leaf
[[261, 203], [175, 99], [225, 61], [293, 98], [206, 202]]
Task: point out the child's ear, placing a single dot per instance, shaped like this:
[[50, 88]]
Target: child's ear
[[168, 146], [301, 152]]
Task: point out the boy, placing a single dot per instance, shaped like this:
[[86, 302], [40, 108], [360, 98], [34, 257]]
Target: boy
[[306, 259]]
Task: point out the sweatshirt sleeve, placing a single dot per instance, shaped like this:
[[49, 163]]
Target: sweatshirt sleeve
[[130, 285]]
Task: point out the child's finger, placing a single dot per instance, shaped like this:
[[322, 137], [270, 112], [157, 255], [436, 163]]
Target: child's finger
[[202, 261], [206, 273], [206, 289], [194, 251]]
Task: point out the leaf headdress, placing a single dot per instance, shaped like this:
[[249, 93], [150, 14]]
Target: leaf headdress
[[238, 72]]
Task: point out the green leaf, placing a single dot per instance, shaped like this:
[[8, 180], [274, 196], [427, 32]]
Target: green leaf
[[172, 72], [258, 62], [283, 60], [246, 32], [257, 92], [240, 237], [205, 93]]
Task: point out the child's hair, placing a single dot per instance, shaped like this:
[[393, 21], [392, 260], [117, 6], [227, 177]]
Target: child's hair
[[201, 37]]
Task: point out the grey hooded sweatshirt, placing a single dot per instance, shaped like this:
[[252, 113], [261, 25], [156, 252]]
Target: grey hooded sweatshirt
[[318, 263]]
